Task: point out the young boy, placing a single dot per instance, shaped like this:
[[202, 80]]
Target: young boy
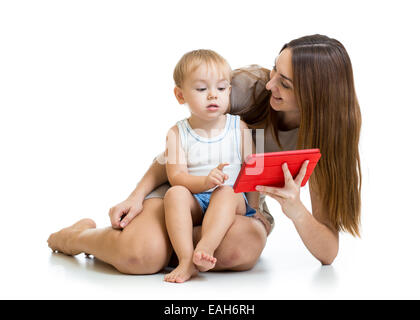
[[204, 155]]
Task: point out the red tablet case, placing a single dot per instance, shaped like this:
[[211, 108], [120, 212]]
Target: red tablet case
[[265, 169]]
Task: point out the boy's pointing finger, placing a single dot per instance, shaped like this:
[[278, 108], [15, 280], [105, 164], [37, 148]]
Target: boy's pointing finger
[[222, 165]]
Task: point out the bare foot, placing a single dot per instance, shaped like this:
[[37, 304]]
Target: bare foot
[[182, 273], [203, 261], [62, 241]]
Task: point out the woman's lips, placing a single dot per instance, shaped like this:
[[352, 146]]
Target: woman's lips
[[276, 102]]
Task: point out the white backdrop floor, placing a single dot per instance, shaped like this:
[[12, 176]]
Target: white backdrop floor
[[370, 268]]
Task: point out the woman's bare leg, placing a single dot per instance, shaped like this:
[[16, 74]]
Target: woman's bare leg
[[242, 245], [143, 246]]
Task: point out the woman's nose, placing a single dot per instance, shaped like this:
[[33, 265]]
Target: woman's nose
[[269, 85]]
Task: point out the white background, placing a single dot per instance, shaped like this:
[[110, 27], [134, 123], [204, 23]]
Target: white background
[[86, 100]]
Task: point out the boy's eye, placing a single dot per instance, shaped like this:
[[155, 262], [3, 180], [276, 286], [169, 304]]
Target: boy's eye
[[200, 89], [221, 89]]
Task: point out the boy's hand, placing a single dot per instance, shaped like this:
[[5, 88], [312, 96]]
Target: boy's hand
[[216, 176]]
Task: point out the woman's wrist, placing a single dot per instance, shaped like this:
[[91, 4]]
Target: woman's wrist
[[137, 195], [299, 213]]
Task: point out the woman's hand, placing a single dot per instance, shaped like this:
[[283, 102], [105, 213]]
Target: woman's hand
[[289, 195], [122, 214], [216, 177]]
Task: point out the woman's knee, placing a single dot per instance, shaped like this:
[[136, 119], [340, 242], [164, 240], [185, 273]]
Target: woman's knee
[[144, 247], [243, 245], [144, 257]]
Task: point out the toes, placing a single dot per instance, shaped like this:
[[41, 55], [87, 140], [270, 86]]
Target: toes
[[181, 279], [179, 276], [197, 257], [207, 257], [168, 278], [212, 259]]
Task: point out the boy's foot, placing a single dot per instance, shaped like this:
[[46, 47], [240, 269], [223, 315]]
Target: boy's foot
[[203, 261], [182, 273], [62, 240]]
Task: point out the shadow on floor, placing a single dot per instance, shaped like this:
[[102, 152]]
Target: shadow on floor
[[325, 277], [81, 261]]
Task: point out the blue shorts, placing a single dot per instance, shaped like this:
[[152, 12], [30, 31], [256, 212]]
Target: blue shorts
[[203, 199]]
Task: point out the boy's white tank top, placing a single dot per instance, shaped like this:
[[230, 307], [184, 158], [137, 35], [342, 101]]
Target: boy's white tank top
[[205, 154]]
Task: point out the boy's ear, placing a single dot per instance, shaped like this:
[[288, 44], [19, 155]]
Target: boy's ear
[[178, 95]]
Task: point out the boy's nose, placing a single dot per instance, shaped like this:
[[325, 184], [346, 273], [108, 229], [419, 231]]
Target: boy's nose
[[211, 96]]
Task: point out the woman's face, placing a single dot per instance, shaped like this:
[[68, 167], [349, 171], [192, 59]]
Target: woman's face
[[281, 84]]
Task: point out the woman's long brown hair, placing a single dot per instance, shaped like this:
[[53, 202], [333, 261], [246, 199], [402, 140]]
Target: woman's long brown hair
[[331, 121]]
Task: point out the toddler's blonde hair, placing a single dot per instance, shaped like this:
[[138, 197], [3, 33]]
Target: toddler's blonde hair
[[191, 60]]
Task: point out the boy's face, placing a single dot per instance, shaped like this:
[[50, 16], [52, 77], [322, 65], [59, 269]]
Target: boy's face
[[206, 92]]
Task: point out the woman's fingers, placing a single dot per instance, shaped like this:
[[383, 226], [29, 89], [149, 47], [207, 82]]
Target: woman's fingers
[[272, 191], [287, 175], [129, 216], [301, 175], [115, 214]]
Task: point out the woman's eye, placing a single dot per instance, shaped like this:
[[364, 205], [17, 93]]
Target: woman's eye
[[284, 85]]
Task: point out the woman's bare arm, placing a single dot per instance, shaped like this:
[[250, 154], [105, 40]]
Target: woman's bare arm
[[316, 232], [154, 177], [122, 213], [319, 237]]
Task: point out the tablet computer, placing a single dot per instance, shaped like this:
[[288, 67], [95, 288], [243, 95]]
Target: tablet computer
[[265, 169]]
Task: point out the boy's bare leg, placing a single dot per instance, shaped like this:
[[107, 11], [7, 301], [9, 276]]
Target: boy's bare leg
[[182, 212], [224, 205], [143, 246]]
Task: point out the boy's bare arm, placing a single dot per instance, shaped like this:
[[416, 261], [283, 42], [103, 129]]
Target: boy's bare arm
[[176, 165]]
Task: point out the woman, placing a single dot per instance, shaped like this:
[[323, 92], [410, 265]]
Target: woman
[[309, 101]]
